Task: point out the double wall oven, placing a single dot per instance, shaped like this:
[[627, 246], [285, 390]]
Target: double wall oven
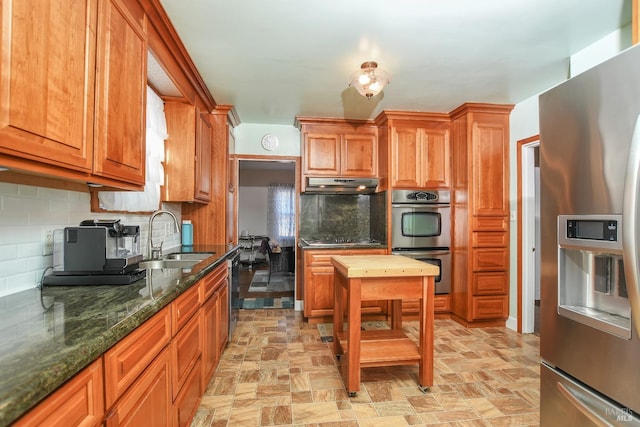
[[421, 229]]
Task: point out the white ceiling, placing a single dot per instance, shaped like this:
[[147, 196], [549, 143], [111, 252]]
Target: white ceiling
[[277, 59]]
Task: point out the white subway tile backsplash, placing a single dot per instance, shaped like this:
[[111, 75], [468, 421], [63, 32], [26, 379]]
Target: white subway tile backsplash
[[26, 212], [8, 252], [8, 188], [13, 267]]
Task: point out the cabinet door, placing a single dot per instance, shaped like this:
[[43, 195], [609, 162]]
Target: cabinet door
[[321, 154], [124, 362], [147, 402], [47, 81], [121, 79], [185, 353], [209, 318], [359, 155], [203, 157], [436, 158], [490, 175], [318, 296], [223, 319], [79, 402], [406, 157]]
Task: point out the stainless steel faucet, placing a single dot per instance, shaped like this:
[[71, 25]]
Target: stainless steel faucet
[[155, 252]]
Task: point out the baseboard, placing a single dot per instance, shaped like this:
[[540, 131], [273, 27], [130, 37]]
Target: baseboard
[[512, 323], [299, 305]]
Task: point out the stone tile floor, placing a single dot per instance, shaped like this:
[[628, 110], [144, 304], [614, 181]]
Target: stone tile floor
[[276, 371]]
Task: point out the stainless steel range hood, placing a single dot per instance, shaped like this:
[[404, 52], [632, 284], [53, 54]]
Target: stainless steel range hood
[[340, 185]]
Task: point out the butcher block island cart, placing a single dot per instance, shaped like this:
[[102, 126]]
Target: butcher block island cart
[[382, 277]]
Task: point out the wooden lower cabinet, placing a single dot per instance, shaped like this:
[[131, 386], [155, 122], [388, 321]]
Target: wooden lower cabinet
[[214, 317], [441, 306], [187, 401], [80, 402], [185, 353], [148, 401], [125, 361], [156, 375], [318, 284]]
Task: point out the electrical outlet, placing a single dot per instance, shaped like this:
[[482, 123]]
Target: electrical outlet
[[47, 242]]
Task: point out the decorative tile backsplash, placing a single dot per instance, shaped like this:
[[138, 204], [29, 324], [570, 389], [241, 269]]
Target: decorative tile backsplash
[[331, 216]]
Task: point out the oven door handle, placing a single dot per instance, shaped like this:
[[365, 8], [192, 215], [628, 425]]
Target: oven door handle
[[421, 205], [430, 254]]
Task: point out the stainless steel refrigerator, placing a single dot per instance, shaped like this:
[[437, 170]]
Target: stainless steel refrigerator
[[589, 207]]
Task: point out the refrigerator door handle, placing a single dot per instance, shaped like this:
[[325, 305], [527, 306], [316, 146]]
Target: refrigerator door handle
[[630, 226], [581, 406]]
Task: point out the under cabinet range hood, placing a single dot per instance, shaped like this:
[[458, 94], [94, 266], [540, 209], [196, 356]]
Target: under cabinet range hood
[[337, 185]]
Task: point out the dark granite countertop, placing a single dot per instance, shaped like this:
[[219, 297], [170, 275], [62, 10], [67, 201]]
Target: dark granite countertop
[[48, 336], [343, 246]]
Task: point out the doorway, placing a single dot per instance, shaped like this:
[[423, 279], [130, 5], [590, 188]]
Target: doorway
[[529, 235], [266, 212]]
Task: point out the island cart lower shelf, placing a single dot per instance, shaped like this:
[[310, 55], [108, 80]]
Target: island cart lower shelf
[[383, 348], [379, 277]]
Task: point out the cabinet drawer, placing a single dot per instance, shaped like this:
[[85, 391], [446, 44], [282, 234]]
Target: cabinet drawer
[[490, 259], [184, 307], [210, 282], [490, 223], [489, 239], [490, 283], [316, 258], [494, 307], [185, 352], [442, 303], [148, 401], [79, 402], [126, 360]]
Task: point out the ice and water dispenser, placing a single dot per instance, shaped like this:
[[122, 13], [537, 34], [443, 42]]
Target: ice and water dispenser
[[591, 281]]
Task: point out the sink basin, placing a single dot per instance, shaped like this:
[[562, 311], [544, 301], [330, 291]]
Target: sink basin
[[168, 263], [189, 256]]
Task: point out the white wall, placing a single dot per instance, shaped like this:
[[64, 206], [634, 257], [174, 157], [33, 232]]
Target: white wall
[[249, 135], [252, 210], [27, 212]]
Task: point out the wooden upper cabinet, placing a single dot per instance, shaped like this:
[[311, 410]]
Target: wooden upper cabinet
[[321, 154], [204, 148], [416, 149], [121, 80], [359, 155], [187, 154], [73, 84], [420, 156], [333, 147], [47, 81], [490, 165]]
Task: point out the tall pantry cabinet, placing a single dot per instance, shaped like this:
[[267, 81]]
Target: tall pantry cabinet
[[480, 201]]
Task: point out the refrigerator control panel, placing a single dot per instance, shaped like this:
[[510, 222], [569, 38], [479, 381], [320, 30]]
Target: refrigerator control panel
[[592, 229]]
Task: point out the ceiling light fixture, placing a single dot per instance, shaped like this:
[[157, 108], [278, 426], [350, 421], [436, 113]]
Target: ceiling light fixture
[[369, 80]]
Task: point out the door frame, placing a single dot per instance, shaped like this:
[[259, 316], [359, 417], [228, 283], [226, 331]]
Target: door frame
[[526, 237], [296, 160]]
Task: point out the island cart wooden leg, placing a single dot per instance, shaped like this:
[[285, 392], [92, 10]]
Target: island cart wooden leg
[[339, 283], [396, 314], [354, 313], [425, 373]]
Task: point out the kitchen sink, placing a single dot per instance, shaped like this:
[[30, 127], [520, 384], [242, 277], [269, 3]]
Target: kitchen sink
[[168, 263], [189, 256]]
